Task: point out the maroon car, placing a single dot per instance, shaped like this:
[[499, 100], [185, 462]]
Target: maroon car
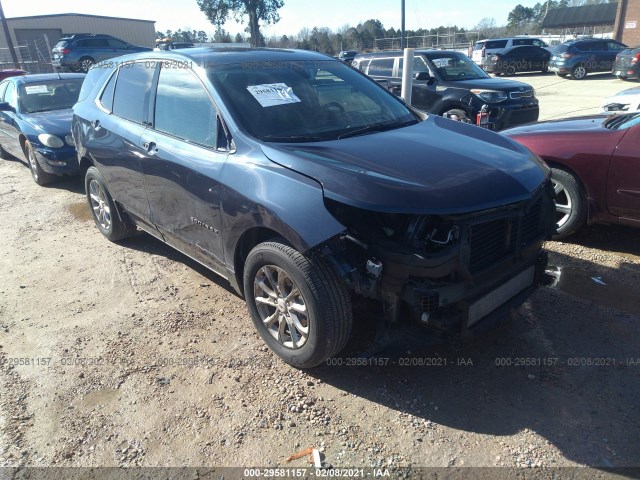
[[595, 167], [11, 72]]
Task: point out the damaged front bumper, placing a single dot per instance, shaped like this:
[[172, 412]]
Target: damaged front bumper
[[464, 269]]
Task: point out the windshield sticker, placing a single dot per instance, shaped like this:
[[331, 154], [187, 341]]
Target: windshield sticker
[[31, 89], [273, 94]]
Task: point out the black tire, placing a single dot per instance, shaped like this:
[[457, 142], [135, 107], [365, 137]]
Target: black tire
[[571, 203], [84, 64], [510, 71], [462, 115], [39, 176], [113, 224], [579, 72], [328, 316], [4, 154]]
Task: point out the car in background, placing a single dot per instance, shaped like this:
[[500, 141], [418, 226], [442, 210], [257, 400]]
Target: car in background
[[483, 49], [78, 52], [175, 45], [35, 122], [308, 187], [347, 56], [527, 58], [626, 101], [11, 72], [578, 58], [595, 167], [626, 65], [449, 84]]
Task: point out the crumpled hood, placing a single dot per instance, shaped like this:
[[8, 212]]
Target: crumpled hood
[[56, 122], [436, 166]]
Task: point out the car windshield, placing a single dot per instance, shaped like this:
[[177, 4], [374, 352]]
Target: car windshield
[[49, 95], [307, 101], [620, 122], [451, 66]]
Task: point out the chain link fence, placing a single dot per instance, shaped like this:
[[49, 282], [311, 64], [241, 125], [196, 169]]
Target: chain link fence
[[33, 56], [462, 42]]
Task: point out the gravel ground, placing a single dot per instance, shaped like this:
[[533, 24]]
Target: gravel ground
[[137, 356]]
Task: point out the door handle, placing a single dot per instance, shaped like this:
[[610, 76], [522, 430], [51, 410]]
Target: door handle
[[95, 124]]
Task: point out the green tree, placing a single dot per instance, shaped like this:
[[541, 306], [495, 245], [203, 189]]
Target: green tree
[[219, 11]]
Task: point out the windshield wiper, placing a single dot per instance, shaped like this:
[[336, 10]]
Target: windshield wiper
[[41, 110], [376, 127]]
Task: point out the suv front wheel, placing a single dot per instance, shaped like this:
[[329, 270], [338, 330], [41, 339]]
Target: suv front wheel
[[299, 306]]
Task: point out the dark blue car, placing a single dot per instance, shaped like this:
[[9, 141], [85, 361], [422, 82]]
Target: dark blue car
[[311, 188], [35, 122]]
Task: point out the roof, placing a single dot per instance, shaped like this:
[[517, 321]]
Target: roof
[[79, 15], [584, 16]]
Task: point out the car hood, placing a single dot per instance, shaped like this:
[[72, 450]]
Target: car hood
[[586, 125], [56, 122], [490, 84], [437, 166]]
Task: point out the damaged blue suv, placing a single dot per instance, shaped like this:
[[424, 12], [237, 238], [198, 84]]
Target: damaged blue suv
[[311, 188]]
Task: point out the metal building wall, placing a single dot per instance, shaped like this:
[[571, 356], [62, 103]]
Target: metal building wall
[[137, 32]]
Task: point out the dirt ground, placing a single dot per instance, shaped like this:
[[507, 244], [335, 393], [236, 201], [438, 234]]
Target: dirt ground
[[132, 355]]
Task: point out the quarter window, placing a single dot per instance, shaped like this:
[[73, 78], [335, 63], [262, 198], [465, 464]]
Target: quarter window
[[382, 67], [130, 97], [183, 107], [106, 99]]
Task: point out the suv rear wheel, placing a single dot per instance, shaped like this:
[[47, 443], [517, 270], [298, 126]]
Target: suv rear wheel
[[299, 306], [579, 72], [84, 64]]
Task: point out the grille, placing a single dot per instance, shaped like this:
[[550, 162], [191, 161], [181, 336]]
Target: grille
[[523, 115], [429, 303], [493, 241], [526, 93]]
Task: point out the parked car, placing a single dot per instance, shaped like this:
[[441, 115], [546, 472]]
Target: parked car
[[595, 167], [626, 101], [578, 58], [510, 61], [308, 186], [483, 49], [347, 56], [11, 72], [625, 66], [449, 83], [35, 122], [77, 53], [175, 45]]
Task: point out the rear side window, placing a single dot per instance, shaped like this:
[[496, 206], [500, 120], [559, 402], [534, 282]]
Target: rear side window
[[61, 44], [382, 67], [130, 96], [563, 47], [92, 43], [183, 107], [106, 99], [114, 43], [522, 41], [478, 46], [496, 44], [614, 47]]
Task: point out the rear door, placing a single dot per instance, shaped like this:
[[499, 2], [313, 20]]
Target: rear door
[[9, 131], [113, 137], [183, 164], [623, 184]]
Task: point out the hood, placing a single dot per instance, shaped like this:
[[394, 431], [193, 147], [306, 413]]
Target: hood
[[438, 166], [56, 122], [490, 84], [587, 125]]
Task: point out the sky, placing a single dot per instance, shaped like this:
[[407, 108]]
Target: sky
[[294, 15]]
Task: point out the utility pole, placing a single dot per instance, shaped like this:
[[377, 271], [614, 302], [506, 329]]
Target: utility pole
[[402, 26], [7, 35]]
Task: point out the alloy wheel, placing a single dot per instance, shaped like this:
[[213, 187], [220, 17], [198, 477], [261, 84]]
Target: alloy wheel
[[564, 203], [99, 204], [281, 306]]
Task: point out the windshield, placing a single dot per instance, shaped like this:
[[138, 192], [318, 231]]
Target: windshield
[[452, 66], [49, 95], [620, 122], [307, 101]]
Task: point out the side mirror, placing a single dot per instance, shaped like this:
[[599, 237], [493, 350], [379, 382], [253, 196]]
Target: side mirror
[[5, 107], [422, 76]]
